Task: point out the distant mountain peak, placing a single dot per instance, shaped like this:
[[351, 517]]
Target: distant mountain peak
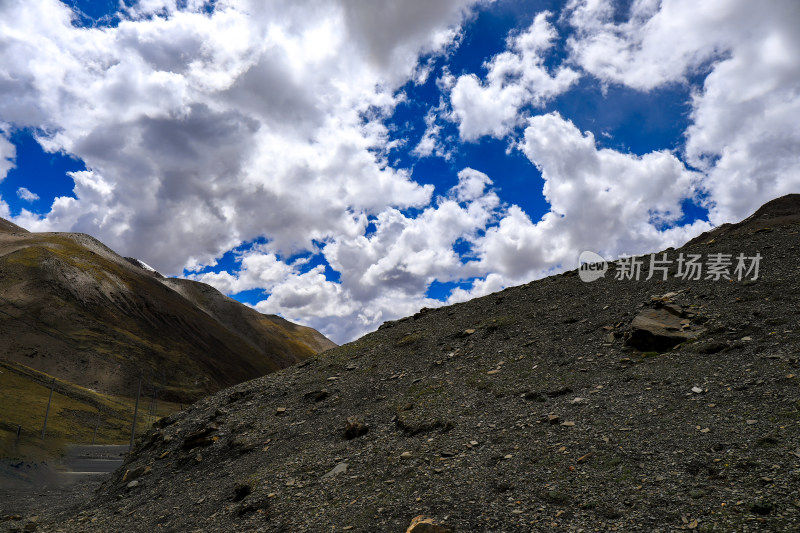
[[141, 264]]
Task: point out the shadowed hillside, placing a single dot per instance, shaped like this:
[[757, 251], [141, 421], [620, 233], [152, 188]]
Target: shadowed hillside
[[72, 308]]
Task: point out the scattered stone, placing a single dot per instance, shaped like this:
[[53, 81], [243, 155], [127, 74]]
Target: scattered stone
[[414, 426], [405, 455], [697, 390], [280, 410], [751, 422], [555, 393], [553, 419], [354, 427], [136, 472], [202, 437], [423, 524], [568, 424], [535, 396], [133, 483], [584, 458], [338, 469], [469, 331], [242, 491], [761, 507]]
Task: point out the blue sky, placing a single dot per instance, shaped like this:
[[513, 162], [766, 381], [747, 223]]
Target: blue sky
[[348, 164]]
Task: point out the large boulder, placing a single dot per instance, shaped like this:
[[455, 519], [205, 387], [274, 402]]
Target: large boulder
[[661, 328]]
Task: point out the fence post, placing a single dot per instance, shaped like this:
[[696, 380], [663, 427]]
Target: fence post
[[97, 425], [47, 413], [19, 430], [135, 414]]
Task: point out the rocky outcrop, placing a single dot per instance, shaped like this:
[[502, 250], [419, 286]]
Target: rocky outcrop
[[662, 328]]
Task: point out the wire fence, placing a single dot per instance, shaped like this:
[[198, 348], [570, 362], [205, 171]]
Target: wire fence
[[53, 411]]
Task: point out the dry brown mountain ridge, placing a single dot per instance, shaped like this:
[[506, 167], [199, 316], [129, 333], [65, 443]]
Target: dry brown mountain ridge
[[778, 212], [73, 308], [535, 409]]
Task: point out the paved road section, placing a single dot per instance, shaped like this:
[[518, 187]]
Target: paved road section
[[83, 461]]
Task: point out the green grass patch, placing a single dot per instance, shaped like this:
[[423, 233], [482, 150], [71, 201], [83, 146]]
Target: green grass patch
[[409, 339], [74, 413]]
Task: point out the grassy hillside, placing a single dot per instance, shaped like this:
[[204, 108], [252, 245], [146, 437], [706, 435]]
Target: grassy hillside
[[74, 414]]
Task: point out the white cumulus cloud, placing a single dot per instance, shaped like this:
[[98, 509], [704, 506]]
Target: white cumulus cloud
[[25, 194], [600, 199], [202, 130], [516, 78], [744, 134], [384, 274], [8, 154]]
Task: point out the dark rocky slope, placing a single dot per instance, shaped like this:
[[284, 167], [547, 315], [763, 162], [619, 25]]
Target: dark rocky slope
[[526, 410], [778, 212]]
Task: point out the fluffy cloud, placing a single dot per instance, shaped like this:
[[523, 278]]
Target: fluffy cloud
[[384, 274], [744, 132], [202, 129], [431, 144], [258, 270], [515, 79], [8, 153], [658, 43], [600, 200], [27, 195]]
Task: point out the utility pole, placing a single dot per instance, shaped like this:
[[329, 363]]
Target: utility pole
[[47, 413], [135, 414], [150, 408]]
